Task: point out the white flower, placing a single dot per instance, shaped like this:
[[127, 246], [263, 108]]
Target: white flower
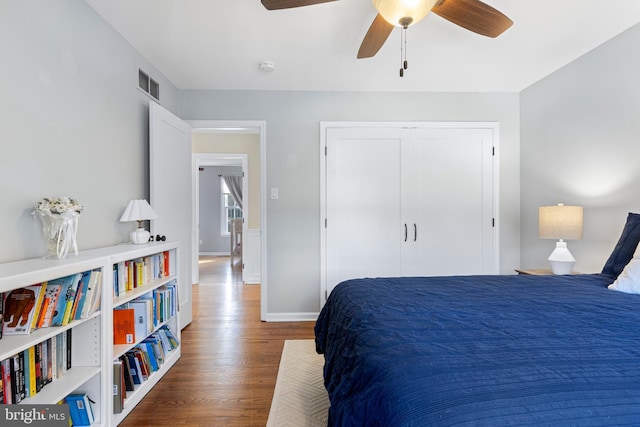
[[57, 206]]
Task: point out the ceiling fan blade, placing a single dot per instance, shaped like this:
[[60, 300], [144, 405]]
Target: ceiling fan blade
[[473, 15], [374, 39], [288, 4]]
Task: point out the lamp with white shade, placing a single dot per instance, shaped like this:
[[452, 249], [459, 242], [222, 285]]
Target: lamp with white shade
[[138, 210], [560, 222]]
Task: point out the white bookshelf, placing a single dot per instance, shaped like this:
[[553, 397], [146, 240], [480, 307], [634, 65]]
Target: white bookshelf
[[92, 347]]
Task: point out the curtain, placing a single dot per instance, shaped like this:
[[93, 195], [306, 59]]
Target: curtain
[[234, 183]]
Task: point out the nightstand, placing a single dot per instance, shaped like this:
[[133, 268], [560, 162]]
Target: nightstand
[[537, 271]]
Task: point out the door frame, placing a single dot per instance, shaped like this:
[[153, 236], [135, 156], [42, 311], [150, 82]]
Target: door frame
[[247, 127], [324, 126]]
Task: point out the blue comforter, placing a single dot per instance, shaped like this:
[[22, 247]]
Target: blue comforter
[[481, 350]]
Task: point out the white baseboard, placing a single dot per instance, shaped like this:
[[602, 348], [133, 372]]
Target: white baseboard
[[291, 317]]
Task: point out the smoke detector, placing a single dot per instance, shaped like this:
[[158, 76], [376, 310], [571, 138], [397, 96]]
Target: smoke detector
[[266, 66]]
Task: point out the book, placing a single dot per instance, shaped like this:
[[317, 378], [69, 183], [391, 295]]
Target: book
[[153, 341], [150, 354], [38, 306], [130, 276], [81, 294], [53, 351], [142, 363], [124, 330], [66, 283], [31, 364], [44, 364], [17, 378], [116, 280], [43, 309], [94, 290], [118, 392], [1, 316], [126, 371], [139, 273], [38, 366], [19, 308], [80, 409], [165, 264], [68, 351], [143, 317], [134, 366], [70, 298], [60, 355], [6, 381], [51, 295]]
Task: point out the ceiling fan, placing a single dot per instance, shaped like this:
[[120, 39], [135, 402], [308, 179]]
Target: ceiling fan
[[473, 15]]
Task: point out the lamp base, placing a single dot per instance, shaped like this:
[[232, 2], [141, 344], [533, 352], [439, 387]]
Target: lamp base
[[561, 259], [140, 236]]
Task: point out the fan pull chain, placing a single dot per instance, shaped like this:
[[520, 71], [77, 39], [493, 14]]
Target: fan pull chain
[[404, 64]]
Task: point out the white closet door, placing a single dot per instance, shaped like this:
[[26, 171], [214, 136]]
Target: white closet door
[[447, 181], [363, 203], [170, 185]]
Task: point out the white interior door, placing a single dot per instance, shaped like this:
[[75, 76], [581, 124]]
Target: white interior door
[[448, 202], [363, 204], [171, 192]]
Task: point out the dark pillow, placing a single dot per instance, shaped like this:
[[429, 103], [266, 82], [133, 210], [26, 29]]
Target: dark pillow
[[626, 246]]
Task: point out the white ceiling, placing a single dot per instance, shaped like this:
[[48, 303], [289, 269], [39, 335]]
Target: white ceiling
[[217, 44]]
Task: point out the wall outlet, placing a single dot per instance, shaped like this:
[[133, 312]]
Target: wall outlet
[[274, 194]]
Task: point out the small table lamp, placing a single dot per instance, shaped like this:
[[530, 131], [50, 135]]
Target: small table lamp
[[560, 222], [138, 210]]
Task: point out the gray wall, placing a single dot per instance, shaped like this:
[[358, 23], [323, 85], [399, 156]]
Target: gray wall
[[580, 145], [212, 241], [72, 121], [293, 163]]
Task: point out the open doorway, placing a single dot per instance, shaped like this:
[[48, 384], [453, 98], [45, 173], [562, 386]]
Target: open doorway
[[220, 218], [235, 144]]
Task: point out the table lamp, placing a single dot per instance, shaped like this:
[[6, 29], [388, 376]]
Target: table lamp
[[560, 222], [138, 210]]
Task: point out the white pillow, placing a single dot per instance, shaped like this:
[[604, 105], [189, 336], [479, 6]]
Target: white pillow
[[629, 280]]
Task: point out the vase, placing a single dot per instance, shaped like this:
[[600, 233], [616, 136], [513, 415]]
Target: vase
[[59, 232]]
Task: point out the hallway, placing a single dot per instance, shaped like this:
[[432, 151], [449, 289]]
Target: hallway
[[230, 358]]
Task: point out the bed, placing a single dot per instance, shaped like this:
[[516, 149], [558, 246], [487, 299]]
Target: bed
[[486, 350]]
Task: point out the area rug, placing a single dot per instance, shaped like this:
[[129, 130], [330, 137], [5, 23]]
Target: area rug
[[299, 398]]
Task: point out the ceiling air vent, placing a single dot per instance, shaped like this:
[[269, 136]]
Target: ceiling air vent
[[148, 85]]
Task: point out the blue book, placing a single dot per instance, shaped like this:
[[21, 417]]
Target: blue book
[[81, 296], [80, 409], [133, 368], [148, 348], [67, 293]]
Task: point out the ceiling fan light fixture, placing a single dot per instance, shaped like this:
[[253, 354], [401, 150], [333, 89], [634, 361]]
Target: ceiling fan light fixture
[[403, 13]]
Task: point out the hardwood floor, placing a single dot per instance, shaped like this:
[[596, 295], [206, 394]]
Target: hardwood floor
[[229, 362]]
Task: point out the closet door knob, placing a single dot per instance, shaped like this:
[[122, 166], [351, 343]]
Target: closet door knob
[[415, 232], [405, 232]]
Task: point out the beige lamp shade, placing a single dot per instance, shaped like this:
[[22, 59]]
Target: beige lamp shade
[[560, 222], [403, 12]]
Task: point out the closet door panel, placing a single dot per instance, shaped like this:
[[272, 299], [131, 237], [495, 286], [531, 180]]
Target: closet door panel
[[363, 204], [449, 180]]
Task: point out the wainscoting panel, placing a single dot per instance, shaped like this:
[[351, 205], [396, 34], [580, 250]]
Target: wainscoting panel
[[251, 273]]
